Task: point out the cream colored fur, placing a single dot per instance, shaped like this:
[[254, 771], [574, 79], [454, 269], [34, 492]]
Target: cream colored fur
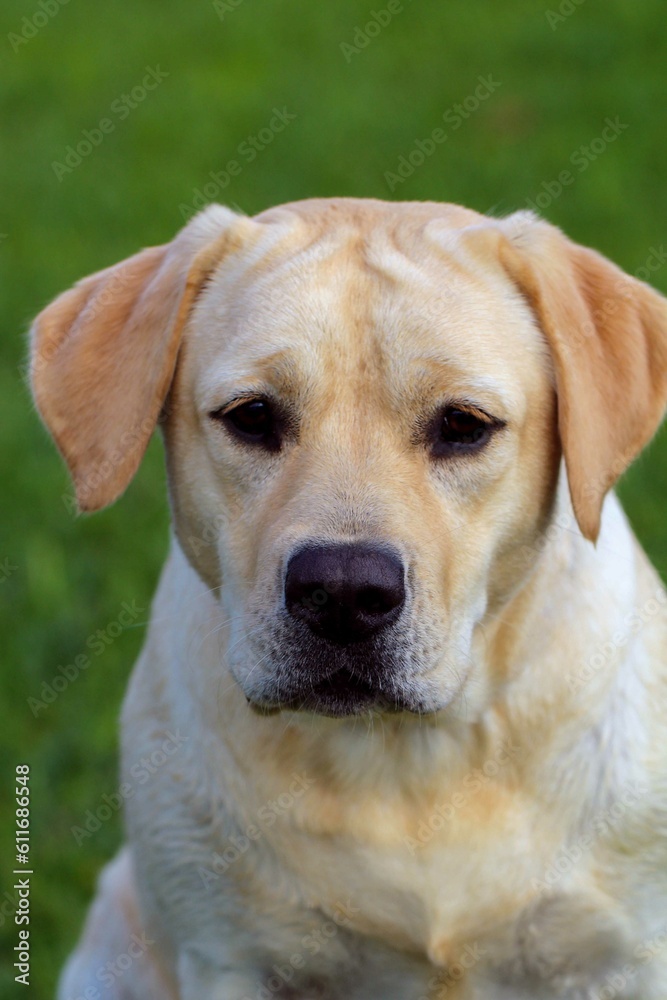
[[508, 839]]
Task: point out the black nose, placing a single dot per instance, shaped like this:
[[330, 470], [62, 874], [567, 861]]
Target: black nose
[[345, 593]]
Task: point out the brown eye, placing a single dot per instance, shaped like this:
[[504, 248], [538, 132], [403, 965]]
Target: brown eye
[[462, 427], [463, 430], [252, 421]]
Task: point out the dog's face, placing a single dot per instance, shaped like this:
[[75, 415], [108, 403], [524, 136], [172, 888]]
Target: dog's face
[[369, 421], [363, 430]]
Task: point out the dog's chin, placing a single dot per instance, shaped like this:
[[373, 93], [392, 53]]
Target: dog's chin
[[340, 695]]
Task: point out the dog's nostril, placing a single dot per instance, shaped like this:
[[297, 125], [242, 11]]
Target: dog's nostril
[[376, 601], [345, 593]]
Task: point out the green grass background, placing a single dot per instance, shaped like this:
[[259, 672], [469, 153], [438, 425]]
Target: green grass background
[[354, 119]]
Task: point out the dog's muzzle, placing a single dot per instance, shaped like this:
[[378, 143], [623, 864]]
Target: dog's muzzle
[[341, 601]]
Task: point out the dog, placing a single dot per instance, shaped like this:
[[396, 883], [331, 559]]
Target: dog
[[405, 683]]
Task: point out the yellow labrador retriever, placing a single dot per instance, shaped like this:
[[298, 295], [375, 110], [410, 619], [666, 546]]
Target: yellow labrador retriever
[[404, 690]]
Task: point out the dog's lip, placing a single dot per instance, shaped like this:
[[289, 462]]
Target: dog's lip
[[341, 693], [344, 683]]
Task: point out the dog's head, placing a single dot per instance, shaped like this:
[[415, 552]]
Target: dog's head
[[365, 407]]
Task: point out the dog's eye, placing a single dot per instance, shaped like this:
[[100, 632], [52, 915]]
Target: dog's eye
[[252, 421], [463, 430]]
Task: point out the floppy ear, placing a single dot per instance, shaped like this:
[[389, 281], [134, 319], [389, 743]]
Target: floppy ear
[[103, 354], [608, 337]]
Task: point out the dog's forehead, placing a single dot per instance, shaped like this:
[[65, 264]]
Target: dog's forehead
[[350, 286]]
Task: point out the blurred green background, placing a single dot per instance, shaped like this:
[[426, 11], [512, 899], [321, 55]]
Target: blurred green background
[[557, 77]]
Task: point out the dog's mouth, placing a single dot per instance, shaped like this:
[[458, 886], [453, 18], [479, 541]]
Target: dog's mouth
[[342, 693]]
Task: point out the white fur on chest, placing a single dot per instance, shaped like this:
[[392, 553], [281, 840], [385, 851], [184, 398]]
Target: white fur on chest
[[457, 865]]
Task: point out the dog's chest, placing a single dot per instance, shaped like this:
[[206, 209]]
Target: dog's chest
[[434, 875], [479, 887]]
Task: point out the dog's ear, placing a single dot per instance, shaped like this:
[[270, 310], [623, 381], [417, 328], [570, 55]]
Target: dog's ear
[[608, 336], [103, 354]]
